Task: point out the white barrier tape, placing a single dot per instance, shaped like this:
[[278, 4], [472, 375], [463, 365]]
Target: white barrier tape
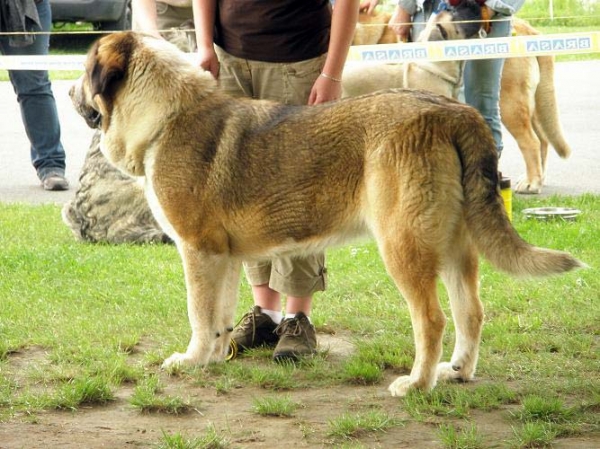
[[507, 47], [50, 62]]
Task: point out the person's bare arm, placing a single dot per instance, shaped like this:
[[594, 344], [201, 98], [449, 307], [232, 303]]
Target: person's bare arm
[[401, 23], [144, 16], [204, 23], [368, 6], [343, 25]]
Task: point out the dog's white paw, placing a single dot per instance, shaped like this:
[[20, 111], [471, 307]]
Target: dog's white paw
[[401, 386], [178, 360], [221, 351], [448, 371], [529, 188]]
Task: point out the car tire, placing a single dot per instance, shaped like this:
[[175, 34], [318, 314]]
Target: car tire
[[123, 23]]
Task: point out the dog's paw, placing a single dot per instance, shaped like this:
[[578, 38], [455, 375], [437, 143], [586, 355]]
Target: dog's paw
[[221, 352], [178, 360], [528, 188], [448, 371], [401, 386]]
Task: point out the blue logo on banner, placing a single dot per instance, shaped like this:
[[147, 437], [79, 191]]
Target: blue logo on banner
[[559, 44], [421, 53], [463, 50], [407, 54], [368, 56], [585, 43], [489, 49], [394, 54], [450, 51], [456, 51]]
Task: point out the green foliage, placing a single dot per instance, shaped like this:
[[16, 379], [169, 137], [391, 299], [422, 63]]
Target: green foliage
[[79, 321], [210, 440], [570, 13], [147, 398], [280, 406], [460, 438], [349, 426]]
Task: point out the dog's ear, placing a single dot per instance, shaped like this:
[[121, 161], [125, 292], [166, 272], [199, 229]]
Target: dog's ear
[[109, 63]]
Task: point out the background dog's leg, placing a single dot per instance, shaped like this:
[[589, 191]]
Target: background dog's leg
[[205, 276], [413, 268], [517, 116], [460, 275]]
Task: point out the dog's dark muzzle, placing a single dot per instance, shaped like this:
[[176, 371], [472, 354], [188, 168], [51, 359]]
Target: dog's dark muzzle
[[93, 118]]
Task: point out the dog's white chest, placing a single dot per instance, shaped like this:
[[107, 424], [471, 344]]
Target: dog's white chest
[[152, 199]]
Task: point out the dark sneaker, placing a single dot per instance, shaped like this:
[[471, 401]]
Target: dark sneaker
[[55, 181], [254, 329], [297, 338]]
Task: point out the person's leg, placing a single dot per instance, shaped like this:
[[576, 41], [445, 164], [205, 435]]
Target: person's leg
[[176, 25], [291, 83], [38, 107], [256, 327], [297, 278], [482, 83], [421, 17]]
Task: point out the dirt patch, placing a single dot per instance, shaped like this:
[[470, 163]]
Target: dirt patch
[[119, 425]]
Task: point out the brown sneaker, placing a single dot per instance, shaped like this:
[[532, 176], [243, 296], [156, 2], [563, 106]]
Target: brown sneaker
[[297, 338], [255, 329]]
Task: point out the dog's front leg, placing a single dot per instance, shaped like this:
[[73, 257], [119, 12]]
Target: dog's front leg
[[206, 277], [228, 302]]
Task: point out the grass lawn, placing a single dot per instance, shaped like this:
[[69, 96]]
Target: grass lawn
[[85, 326]]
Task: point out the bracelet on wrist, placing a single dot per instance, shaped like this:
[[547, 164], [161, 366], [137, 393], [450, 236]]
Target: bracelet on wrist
[[329, 77]]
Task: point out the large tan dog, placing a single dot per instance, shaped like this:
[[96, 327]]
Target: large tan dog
[[231, 179], [528, 103]]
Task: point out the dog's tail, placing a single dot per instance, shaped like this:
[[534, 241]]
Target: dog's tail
[[546, 107], [484, 210]]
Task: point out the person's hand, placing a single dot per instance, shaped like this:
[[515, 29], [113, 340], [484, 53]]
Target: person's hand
[[368, 6], [400, 22], [207, 60], [325, 89]]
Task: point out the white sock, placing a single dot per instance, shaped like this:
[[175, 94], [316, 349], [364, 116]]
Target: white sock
[[275, 315], [289, 316]]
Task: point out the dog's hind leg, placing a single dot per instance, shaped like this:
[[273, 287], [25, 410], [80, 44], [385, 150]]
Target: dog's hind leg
[[208, 280], [460, 276], [413, 266]]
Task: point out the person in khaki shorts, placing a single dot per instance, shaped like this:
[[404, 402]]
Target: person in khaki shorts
[[291, 51], [156, 17]]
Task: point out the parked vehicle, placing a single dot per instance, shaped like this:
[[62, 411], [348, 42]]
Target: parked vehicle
[[104, 15]]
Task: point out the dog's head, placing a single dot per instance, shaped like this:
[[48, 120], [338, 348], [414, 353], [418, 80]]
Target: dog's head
[[93, 95], [461, 22]]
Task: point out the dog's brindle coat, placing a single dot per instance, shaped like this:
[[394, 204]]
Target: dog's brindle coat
[[231, 179]]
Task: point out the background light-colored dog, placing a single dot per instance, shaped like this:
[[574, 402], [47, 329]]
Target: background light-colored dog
[[400, 166], [528, 103]]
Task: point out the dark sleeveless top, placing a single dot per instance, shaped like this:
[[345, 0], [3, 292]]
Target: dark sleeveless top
[[273, 30]]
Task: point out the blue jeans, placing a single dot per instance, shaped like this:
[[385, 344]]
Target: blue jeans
[[481, 79], [38, 107]]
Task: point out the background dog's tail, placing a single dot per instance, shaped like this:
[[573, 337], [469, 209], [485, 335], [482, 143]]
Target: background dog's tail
[[546, 107], [484, 210]]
